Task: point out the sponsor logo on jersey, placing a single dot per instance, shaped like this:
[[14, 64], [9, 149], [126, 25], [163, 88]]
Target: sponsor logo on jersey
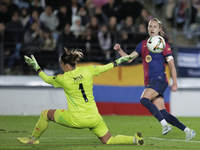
[[148, 58], [78, 78]]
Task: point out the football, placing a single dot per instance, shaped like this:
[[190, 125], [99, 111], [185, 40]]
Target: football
[[156, 44]]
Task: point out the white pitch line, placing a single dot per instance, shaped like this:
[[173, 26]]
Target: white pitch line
[[155, 138]]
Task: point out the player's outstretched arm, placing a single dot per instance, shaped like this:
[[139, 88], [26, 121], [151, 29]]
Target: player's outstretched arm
[[118, 48], [123, 59], [103, 68], [32, 62]]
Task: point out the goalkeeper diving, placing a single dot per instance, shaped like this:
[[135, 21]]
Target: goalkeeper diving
[[82, 112]]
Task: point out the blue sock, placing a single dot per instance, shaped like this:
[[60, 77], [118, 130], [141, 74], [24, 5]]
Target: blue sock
[[152, 108], [172, 120]]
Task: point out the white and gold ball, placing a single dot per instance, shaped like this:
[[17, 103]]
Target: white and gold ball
[[156, 44]]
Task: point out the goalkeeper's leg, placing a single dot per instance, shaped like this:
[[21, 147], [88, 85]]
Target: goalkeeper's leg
[[122, 139], [40, 127], [42, 124], [100, 129]]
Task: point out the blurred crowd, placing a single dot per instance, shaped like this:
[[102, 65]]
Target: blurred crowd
[[43, 27], [186, 15]]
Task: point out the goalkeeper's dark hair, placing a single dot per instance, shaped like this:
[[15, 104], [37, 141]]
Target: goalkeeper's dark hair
[[71, 57], [161, 33]]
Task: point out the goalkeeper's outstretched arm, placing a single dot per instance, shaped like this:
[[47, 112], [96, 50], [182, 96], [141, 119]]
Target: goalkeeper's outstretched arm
[[124, 59], [49, 79], [33, 63], [109, 66], [118, 48]]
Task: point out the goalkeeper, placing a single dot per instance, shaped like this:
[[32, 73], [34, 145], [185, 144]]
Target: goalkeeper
[[82, 112]]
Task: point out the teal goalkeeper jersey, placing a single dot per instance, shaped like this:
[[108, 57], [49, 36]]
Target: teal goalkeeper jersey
[[78, 87]]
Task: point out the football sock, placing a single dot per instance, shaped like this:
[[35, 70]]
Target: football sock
[[172, 120], [152, 108], [163, 122], [186, 130], [121, 139], [41, 125]]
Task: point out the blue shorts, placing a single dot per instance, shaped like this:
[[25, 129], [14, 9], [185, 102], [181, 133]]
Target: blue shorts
[[158, 85]]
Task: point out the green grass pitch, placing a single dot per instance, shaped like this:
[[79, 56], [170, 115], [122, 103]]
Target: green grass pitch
[[58, 137]]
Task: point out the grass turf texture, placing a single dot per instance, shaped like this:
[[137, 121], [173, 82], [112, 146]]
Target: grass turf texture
[[58, 137]]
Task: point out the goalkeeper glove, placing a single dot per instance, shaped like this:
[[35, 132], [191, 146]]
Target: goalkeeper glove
[[32, 62], [123, 59]]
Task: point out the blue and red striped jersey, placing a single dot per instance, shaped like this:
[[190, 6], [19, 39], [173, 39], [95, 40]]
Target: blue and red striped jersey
[[153, 64]]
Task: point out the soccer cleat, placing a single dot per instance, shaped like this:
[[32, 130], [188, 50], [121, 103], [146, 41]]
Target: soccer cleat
[[27, 140], [190, 134], [166, 129], [139, 139]]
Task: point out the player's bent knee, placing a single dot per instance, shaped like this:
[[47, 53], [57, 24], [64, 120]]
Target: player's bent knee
[[144, 101], [108, 141], [106, 138], [44, 114], [103, 140], [50, 114]]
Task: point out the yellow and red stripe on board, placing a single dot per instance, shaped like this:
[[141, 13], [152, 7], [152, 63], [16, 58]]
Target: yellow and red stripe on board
[[122, 75]]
